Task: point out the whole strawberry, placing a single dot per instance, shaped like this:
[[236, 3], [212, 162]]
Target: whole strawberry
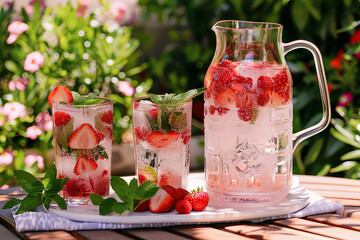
[[183, 207], [198, 199]]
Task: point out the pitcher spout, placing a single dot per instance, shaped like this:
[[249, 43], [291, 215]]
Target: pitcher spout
[[242, 40]]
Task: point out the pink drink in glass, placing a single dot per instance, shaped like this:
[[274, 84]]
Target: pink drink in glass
[[83, 140], [162, 135]]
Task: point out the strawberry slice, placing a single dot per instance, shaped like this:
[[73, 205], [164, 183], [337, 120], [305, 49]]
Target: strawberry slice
[[160, 140], [84, 137], [226, 98], [84, 165], [107, 117], [60, 94], [160, 202], [61, 118]]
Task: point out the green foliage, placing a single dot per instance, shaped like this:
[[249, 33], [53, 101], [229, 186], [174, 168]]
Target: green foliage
[[347, 130], [88, 54], [39, 192], [131, 196]]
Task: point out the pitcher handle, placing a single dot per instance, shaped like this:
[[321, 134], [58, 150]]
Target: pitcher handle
[[324, 93]]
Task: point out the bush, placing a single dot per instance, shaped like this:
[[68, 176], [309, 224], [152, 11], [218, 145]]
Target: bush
[[55, 46]]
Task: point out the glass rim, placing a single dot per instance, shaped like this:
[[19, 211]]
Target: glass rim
[[247, 24], [103, 103], [138, 99]]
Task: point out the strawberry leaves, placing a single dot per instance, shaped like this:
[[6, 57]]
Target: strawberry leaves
[[39, 192], [129, 195]]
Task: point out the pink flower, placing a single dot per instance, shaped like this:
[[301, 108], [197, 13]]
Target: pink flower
[[19, 84], [83, 5], [6, 158], [345, 99], [4, 187], [44, 121], [14, 110], [15, 29], [118, 10], [30, 8], [33, 132], [30, 159], [33, 61], [126, 88]]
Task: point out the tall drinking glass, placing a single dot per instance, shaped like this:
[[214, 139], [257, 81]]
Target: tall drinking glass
[[162, 135], [82, 141]]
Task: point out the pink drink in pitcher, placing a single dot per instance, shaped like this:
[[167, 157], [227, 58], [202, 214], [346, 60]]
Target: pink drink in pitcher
[[249, 123], [248, 113]]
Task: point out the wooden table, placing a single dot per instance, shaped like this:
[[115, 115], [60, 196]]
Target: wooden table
[[324, 226]]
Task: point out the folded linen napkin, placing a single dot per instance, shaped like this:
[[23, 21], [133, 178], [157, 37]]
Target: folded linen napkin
[[41, 221]]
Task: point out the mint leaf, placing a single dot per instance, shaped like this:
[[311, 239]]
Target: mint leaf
[[120, 208], [30, 202], [11, 203], [107, 206], [46, 201], [168, 97], [157, 99], [120, 187], [59, 201], [77, 98], [25, 180], [182, 97], [49, 177], [128, 193], [36, 187], [150, 192], [39, 193], [96, 199]]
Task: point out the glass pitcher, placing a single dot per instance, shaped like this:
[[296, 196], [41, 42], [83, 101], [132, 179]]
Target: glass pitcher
[[248, 112]]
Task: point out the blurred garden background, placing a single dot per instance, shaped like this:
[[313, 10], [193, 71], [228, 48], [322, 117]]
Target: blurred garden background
[[123, 49]]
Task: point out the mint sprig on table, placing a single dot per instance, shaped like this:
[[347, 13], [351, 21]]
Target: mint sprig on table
[[170, 117], [39, 192], [131, 196]]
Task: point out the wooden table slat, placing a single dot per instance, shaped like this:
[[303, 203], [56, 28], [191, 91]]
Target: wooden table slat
[[50, 235], [347, 202], [352, 212], [273, 232], [207, 233], [331, 188], [340, 195], [336, 220], [319, 228], [102, 235], [149, 234], [328, 180]]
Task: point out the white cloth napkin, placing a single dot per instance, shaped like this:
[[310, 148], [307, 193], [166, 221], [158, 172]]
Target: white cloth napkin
[[41, 221]]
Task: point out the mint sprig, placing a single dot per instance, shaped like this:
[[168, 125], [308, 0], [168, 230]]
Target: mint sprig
[[131, 196], [85, 100], [173, 98], [170, 115], [39, 192]]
